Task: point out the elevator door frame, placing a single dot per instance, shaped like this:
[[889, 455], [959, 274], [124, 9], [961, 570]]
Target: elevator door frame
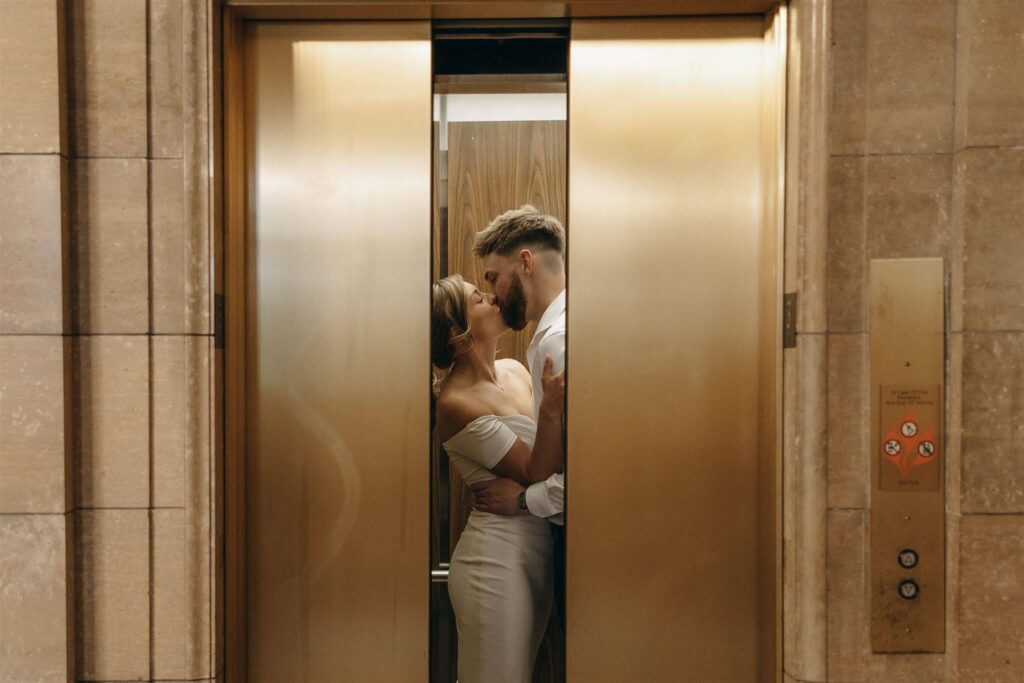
[[233, 256]]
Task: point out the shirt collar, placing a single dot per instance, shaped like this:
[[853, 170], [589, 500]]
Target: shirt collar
[[551, 313]]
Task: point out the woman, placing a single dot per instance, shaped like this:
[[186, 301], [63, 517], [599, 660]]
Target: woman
[[500, 580]]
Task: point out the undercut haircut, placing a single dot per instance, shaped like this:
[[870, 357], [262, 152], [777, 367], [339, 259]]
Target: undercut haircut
[[517, 228]]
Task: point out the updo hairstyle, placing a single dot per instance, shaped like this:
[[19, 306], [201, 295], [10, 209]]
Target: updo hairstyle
[[447, 313]]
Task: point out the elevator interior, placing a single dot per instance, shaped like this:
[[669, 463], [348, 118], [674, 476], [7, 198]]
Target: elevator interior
[[657, 141], [499, 142]]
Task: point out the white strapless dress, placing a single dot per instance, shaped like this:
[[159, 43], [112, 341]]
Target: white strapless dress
[[501, 575]]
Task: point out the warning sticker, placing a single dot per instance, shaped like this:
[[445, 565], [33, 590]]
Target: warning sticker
[[909, 438]]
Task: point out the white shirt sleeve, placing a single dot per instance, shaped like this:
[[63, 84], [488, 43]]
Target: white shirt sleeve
[[547, 498]]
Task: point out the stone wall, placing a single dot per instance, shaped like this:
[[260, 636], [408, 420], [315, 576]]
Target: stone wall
[[927, 159], [107, 543]]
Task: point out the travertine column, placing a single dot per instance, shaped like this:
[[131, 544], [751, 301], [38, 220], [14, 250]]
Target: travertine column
[[36, 527], [926, 130], [988, 335], [107, 517], [139, 100]]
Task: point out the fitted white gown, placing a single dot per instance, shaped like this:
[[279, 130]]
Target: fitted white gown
[[501, 575]]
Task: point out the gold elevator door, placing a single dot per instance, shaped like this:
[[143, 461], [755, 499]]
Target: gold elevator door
[[337, 488], [672, 351], [670, 346]]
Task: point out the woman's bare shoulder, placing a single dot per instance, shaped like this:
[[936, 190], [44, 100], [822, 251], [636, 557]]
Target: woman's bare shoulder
[[456, 408]]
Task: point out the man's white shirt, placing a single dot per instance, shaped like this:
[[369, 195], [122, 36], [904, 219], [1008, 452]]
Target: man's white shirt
[[547, 498]]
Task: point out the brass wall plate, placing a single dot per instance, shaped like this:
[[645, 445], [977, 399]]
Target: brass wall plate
[[908, 580]]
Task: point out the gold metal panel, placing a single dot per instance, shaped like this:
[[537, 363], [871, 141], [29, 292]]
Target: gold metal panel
[[489, 9], [907, 456], [669, 315], [337, 470]]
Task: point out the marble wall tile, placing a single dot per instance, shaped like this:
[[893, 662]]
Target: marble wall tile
[[33, 600], [113, 593], [991, 182], [849, 467], [107, 78], [110, 246], [180, 255], [31, 90], [804, 508], [846, 235], [908, 206], [990, 80], [33, 226], [991, 598], [198, 230], [954, 420], [165, 55], [848, 114], [848, 611], [32, 424], [181, 414], [992, 446], [200, 542], [169, 616], [910, 75], [112, 406], [807, 98]]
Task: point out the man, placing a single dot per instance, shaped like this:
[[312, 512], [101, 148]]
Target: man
[[523, 251]]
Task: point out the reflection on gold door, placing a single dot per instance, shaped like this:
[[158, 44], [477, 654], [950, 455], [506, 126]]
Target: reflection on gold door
[[337, 463], [671, 351]]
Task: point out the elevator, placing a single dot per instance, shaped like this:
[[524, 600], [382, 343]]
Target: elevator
[[361, 156]]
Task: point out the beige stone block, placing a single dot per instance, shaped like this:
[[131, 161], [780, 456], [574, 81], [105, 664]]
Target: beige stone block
[[992, 185], [165, 57], [954, 421], [32, 226], [197, 154], [991, 599], [169, 615], [180, 255], [181, 414], [807, 100], [911, 75], [848, 113], [113, 590], [804, 508], [34, 598], [107, 78], [908, 206], [846, 234], [33, 440], [909, 668], [990, 80], [848, 612], [110, 236], [849, 467], [992, 445], [113, 412], [32, 62], [200, 548]]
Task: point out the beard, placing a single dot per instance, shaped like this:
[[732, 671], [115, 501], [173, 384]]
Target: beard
[[513, 308]]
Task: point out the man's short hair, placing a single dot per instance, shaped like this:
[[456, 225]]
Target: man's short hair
[[518, 227]]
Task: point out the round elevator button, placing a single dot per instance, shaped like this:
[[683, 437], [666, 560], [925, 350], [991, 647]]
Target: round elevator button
[[909, 589], [908, 558]]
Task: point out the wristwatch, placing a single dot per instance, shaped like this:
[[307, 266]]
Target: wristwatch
[[521, 501]]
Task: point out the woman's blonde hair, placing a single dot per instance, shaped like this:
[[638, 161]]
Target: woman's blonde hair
[[448, 313]]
